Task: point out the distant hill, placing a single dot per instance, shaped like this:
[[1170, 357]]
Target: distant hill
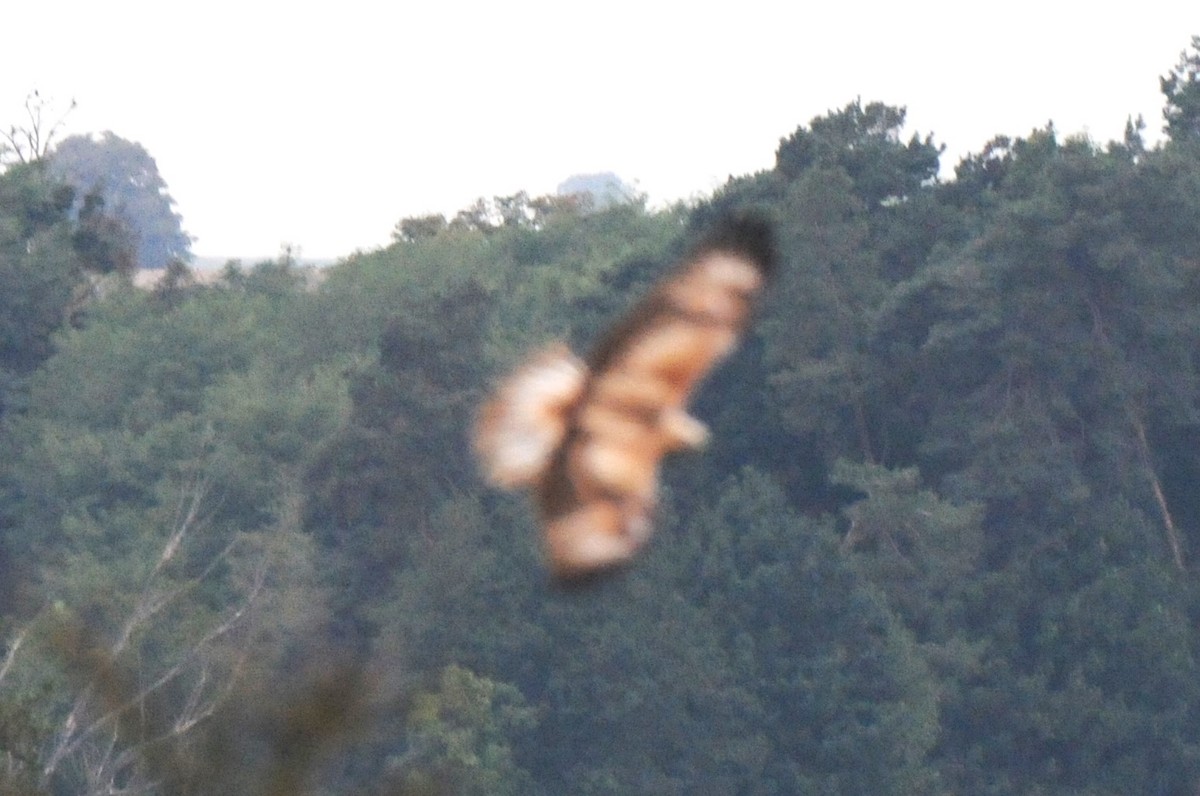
[[210, 263]]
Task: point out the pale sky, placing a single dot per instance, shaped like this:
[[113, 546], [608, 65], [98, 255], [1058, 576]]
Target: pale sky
[[320, 125]]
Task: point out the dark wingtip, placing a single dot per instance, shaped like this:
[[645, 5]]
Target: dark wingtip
[[748, 234]]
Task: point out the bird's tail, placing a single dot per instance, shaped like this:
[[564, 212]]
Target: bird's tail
[[524, 422]]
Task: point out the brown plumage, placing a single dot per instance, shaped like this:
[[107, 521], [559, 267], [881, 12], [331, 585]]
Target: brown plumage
[[587, 437]]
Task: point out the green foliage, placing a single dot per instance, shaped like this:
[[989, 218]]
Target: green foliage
[[41, 275], [847, 704], [1053, 341], [817, 335], [104, 241], [1182, 91], [922, 551], [155, 499], [459, 737], [865, 143]]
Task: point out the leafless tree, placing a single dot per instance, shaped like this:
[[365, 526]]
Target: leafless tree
[[32, 140], [116, 720]]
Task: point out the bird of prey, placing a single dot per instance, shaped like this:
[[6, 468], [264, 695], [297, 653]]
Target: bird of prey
[[586, 436]]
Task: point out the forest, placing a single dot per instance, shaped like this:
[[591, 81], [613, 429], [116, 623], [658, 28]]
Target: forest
[[946, 539]]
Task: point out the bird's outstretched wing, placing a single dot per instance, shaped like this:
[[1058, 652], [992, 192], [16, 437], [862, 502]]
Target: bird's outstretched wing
[[587, 437]]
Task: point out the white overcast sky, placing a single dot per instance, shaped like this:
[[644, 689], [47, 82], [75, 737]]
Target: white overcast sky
[[321, 124]]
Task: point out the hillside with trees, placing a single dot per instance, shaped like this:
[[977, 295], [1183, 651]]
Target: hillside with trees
[[946, 539]]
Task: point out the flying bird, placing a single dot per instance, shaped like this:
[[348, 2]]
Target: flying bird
[[586, 436]]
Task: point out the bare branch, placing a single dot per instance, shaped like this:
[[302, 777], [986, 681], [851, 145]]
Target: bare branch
[[152, 600], [11, 654], [1174, 541], [32, 141], [110, 691], [72, 737]]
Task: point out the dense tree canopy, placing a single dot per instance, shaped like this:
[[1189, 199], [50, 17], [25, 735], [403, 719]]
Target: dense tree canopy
[[946, 538]]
